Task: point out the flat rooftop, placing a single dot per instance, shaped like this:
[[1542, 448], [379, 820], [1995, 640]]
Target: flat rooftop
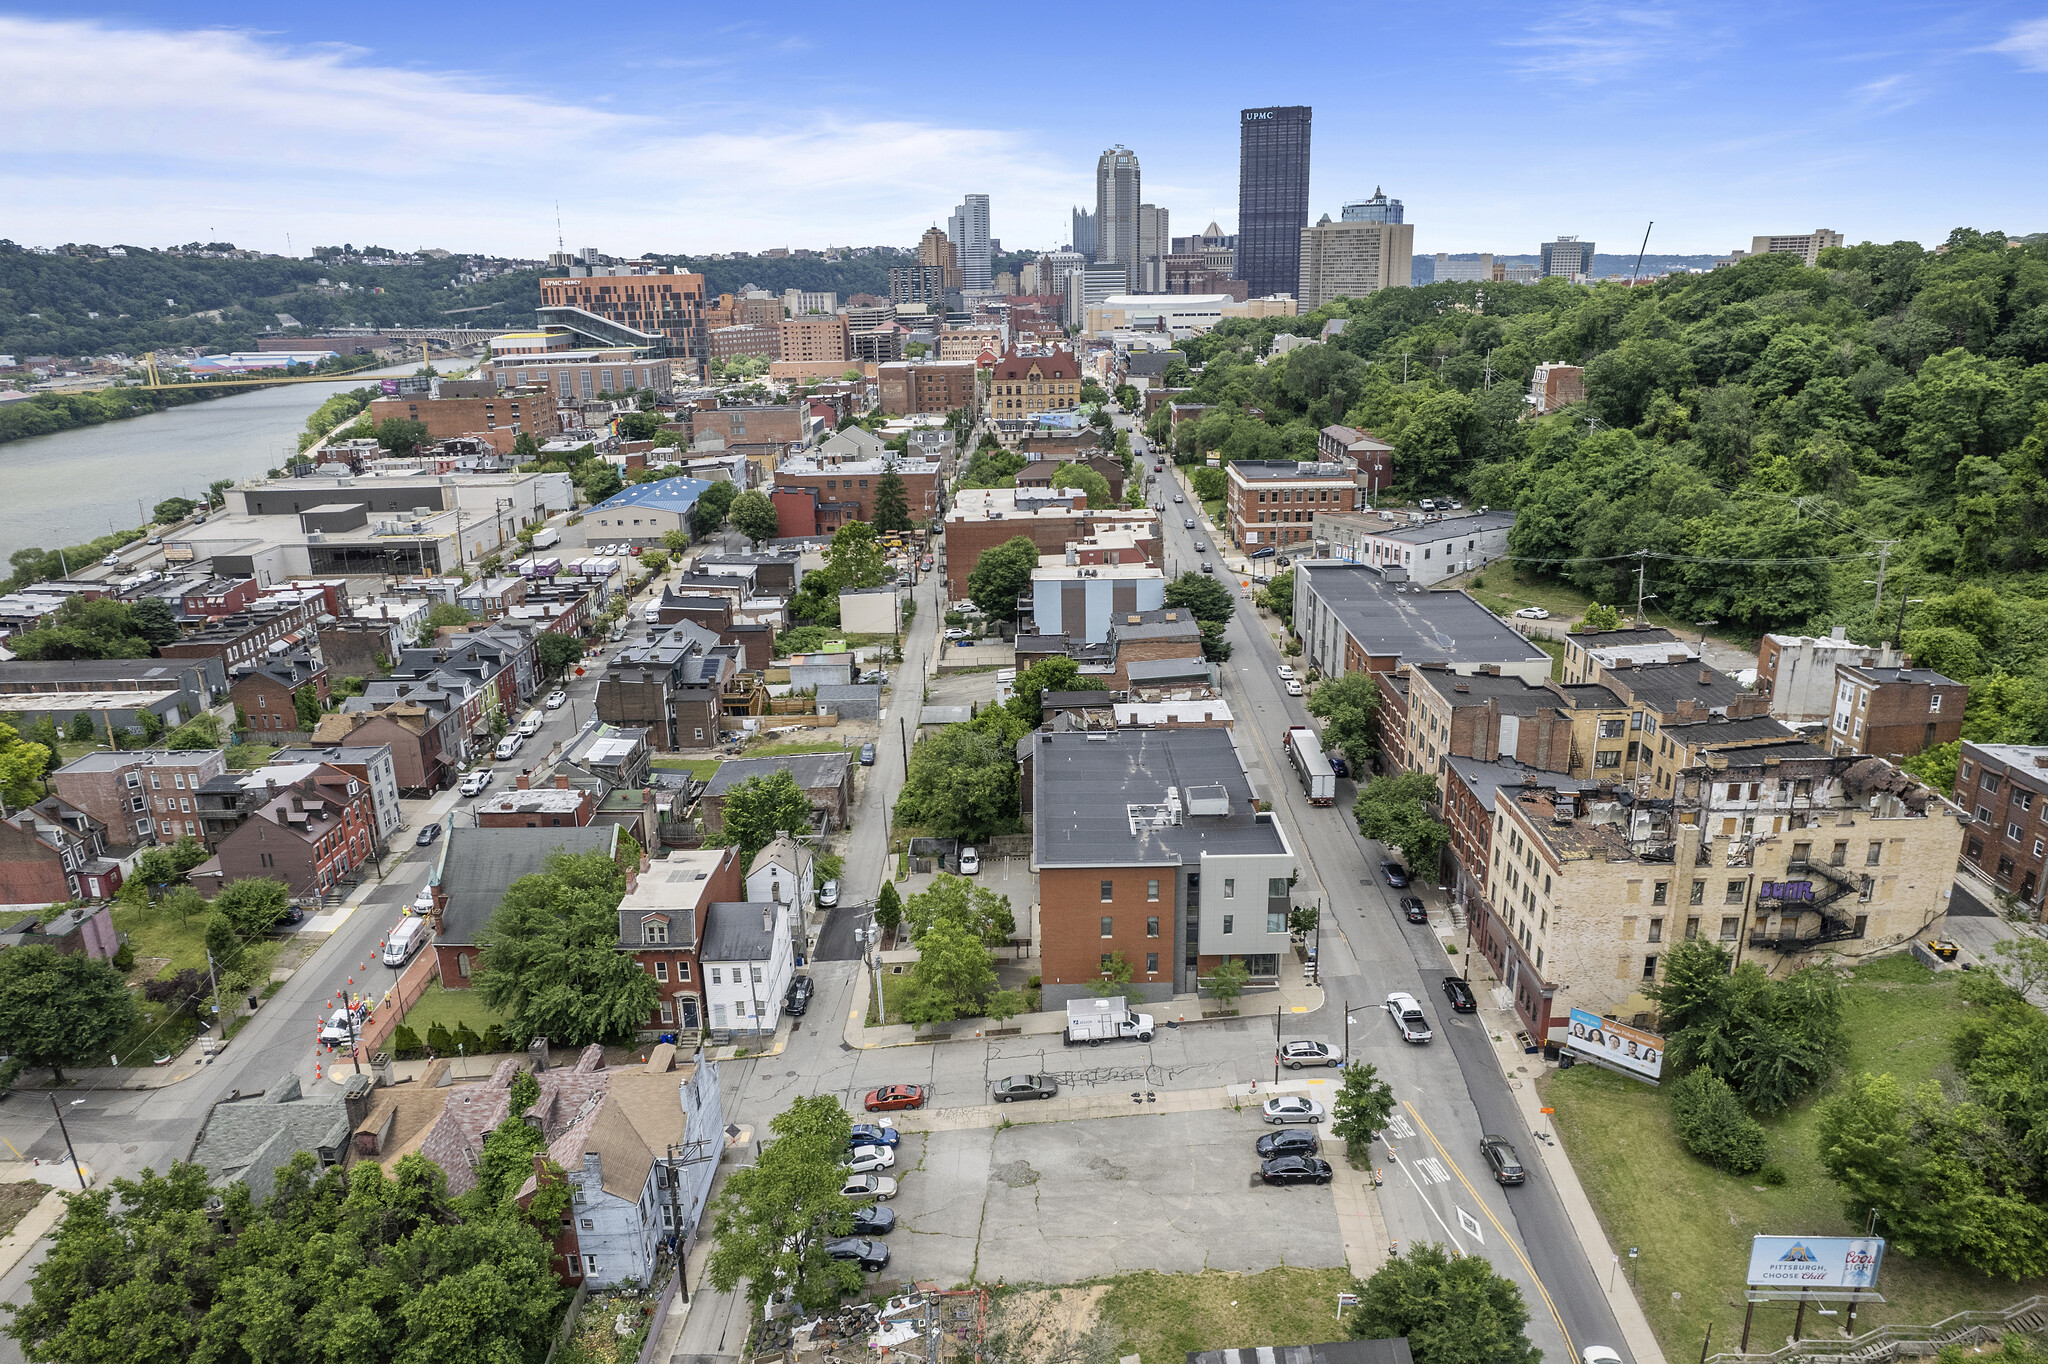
[[1103, 798], [1397, 619]]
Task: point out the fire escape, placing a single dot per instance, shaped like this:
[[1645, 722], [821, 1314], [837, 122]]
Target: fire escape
[[1836, 925]]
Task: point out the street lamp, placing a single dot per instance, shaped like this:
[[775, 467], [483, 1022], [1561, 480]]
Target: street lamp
[[1348, 1011], [76, 1169]]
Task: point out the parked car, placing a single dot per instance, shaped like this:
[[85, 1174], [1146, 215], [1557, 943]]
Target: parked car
[[1501, 1159], [1599, 1354], [1013, 1087], [1455, 505], [867, 755], [872, 1219], [1266, 553], [1408, 1017], [428, 833], [862, 1159], [870, 1255], [1288, 1141], [556, 699], [1396, 874], [873, 1134], [1294, 689], [1417, 912], [1533, 613], [1284, 1108], [1285, 672], [828, 895], [1427, 504], [881, 1188], [957, 632], [799, 997], [156, 539], [970, 862], [509, 746], [1459, 992], [1295, 1055], [1295, 1170], [1338, 766], [890, 1097]]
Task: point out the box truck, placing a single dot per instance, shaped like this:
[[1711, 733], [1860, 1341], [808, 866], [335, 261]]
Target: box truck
[[1095, 1021], [1305, 751]]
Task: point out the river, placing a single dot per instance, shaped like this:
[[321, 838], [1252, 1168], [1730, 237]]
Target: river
[[73, 486]]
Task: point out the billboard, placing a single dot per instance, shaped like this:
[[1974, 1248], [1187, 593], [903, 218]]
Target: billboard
[[1815, 1261], [1632, 1050]]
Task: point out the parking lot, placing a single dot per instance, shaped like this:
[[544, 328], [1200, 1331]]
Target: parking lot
[[1064, 1201]]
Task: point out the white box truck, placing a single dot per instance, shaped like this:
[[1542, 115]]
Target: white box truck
[[1305, 751], [1095, 1021], [547, 537]]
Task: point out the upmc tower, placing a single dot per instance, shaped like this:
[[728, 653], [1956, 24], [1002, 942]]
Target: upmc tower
[[1272, 197]]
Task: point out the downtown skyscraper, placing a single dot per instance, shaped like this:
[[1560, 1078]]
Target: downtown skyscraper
[[1272, 197], [968, 231], [1117, 192]]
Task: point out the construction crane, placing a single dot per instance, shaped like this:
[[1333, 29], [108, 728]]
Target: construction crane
[[154, 376]]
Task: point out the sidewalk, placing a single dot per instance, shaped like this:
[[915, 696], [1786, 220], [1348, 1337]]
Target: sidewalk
[[1521, 1070]]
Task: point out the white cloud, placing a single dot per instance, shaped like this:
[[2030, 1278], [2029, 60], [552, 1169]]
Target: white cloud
[[2027, 44], [1887, 94], [151, 136], [1593, 43]]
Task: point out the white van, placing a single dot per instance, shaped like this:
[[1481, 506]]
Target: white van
[[509, 746], [530, 726], [547, 538], [405, 941]]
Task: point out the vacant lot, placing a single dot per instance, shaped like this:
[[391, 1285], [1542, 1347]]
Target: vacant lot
[[448, 1008], [1161, 1317], [1694, 1225]]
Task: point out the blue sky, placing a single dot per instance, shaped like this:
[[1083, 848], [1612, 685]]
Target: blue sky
[[695, 128]]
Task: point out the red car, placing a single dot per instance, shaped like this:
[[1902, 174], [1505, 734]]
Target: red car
[[895, 1096]]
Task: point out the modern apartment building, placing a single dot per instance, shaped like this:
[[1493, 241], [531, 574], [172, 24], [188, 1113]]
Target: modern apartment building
[[1273, 502], [1357, 618], [1155, 235], [1449, 270], [1378, 209], [580, 373], [970, 237], [817, 338], [642, 297], [1118, 190], [1805, 245], [1352, 259], [1272, 197], [1567, 257], [1149, 846]]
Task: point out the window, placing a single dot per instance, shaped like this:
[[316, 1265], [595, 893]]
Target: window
[[1152, 890], [1106, 927], [1649, 968], [1869, 886], [1108, 891], [1840, 856], [1730, 924], [757, 975], [589, 1261], [715, 976], [661, 971], [1276, 921], [1656, 930], [1660, 892], [1698, 894], [1963, 773], [654, 930], [2012, 831], [1738, 891], [1229, 924], [1934, 704], [1610, 729], [1152, 926], [2023, 799], [1230, 887], [682, 970], [1151, 963], [156, 782], [1991, 783], [1692, 927], [668, 1013], [1106, 967]]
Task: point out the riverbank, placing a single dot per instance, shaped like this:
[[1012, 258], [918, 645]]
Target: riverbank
[[48, 414]]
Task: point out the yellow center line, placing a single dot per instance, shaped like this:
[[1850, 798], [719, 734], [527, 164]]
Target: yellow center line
[[1535, 1278]]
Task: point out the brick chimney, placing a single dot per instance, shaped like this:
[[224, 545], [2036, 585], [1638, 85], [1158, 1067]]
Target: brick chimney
[[524, 782], [561, 781]]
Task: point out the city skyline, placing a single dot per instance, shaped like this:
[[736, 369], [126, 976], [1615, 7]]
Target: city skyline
[[1657, 114]]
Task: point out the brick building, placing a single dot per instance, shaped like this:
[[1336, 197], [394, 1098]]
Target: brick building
[[1273, 502], [246, 638], [979, 519], [2004, 787], [746, 339], [827, 778], [140, 797], [781, 424], [1040, 473], [639, 296], [527, 806], [266, 692], [51, 853], [312, 827], [927, 386], [804, 511], [521, 411], [672, 685], [816, 338], [1894, 712], [855, 483]]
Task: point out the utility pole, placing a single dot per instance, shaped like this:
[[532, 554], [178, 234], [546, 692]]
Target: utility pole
[[1884, 550], [1639, 254], [1642, 558], [1276, 1044], [76, 1169], [1488, 370]]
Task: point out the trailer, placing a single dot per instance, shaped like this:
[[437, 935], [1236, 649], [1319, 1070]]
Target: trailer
[[1095, 1021], [1318, 778]]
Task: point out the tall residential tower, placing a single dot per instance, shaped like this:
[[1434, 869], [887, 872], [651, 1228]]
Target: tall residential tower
[[1272, 197]]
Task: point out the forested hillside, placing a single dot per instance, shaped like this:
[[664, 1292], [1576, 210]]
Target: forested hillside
[[1761, 431]]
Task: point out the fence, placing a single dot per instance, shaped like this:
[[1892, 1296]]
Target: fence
[[424, 971], [569, 1320], [661, 1306], [1890, 1342]]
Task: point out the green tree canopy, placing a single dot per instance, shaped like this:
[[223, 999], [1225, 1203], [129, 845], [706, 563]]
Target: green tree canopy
[[960, 902], [401, 435], [712, 506], [753, 515], [854, 559], [60, 1009], [1001, 575], [962, 781], [550, 957], [253, 905], [773, 1217], [759, 809], [892, 503], [1393, 809], [1349, 708], [1085, 480], [1451, 1309], [1058, 673], [557, 652]]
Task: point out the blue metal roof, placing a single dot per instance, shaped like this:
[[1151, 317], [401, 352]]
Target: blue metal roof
[[668, 494]]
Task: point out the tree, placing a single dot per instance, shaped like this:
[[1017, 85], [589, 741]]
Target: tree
[[1600, 617], [962, 782], [1057, 673], [216, 492], [892, 503], [200, 732], [854, 559], [1771, 1040], [2022, 963], [173, 509], [1277, 596], [224, 946], [1127, 397], [306, 706], [1393, 809], [1362, 1108], [773, 1217], [1202, 594], [154, 622], [888, 907], [953, 977], [549, 956], [759, 809], [22, 767], [1001, 576], [557, 652], [1090, 483], [402, 435], [1708, 1117], [253, 905], [712, 505], [443, 614], [958, 902], [79, 728], [600, 481], [1209, 484], [1349, 708], [1228, 980], [187, 853], [60, 1009], [752, 514], [1451, 1309], [916, 350]]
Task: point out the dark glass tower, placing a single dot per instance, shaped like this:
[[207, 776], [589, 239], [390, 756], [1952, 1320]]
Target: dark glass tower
[[1272, 197]]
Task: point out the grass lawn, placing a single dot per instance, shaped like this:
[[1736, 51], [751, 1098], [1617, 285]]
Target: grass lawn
[[448, 1008], [700, 768], [778, 750], [1160, 1318], [895, 989], [1213, 509], [16, 1200], [1694, 1224], [246, 756], [1556, 651]]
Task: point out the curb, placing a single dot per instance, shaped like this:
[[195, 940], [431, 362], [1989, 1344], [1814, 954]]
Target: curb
[[35, 1224]]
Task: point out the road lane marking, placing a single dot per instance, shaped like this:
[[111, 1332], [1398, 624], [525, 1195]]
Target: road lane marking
[[1433, 1170], [1398, 1125], [1571, 1349], [1456, 1244], [1471, 1225]]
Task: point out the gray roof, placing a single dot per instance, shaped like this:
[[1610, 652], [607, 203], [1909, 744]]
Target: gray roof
[[1084, 785], [103, 761], [1510, 694], [1164, 669], [945, 715], [1664, 685], [1485, 778], [1612, 639], [1414, 625], [1450, 528], [1755, 729], [813, 771], [1879, 676], [733, 932], [1337, 1352], [249, 1139], [1082, 700], [1155, 625], [477, 867]]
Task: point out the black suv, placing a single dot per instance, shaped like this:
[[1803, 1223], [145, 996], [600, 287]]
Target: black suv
[[1415, 910], [1501, 1159], [799, 997], [1459, 992]]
